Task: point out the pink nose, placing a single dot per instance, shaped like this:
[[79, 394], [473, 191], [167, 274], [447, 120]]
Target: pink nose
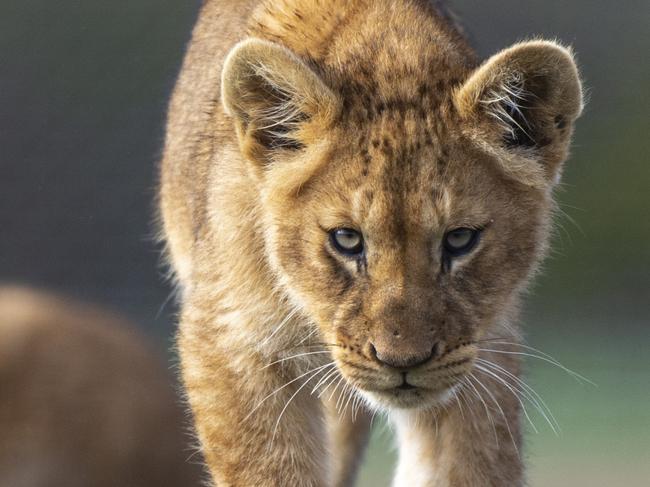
[[405, 359]]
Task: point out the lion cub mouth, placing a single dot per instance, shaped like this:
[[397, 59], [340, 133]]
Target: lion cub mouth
[[405, 386], [422, 386]]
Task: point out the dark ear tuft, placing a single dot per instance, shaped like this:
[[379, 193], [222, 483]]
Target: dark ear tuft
[[509, 104], [275, 129]]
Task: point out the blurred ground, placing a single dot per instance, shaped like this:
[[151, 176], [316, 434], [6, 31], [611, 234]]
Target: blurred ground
[[83, 89]]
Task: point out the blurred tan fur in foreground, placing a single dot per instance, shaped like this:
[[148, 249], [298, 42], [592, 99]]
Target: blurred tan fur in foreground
[[83, 400]]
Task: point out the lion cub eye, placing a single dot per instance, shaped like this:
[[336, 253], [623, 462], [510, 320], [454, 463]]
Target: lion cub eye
[[347, 241], [460, 241]]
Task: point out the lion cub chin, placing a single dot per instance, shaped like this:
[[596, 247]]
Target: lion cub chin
[[352, 204]]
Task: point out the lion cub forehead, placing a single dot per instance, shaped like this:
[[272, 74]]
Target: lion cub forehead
[[407, 171], [398, 193], [416, 213]]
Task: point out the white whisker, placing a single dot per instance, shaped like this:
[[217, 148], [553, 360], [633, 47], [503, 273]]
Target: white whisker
[[487, 411], [342, 396], [314, 374], [514, 393], [333, 390], [544, 357], [353, 407], [460, 407], [293, 356], [530, 393], [503, 415], [283, 386], [308, 335], [325, 378], [290, 315], [351, 395]]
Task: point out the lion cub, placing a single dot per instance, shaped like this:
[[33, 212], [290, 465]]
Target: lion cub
[[352, 205], [83, 401]]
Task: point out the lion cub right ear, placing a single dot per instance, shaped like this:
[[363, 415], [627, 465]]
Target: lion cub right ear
[[278, 102], [520, 105]]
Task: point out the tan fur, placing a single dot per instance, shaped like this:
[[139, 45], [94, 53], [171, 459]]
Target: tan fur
[[83, 401], [293, 118]]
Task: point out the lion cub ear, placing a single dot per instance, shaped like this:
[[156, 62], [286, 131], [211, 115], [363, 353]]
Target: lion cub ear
[[520, 105], [278, 102]]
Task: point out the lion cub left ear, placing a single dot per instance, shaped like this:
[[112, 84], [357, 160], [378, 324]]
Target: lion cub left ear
[[520, 106], [277, 101]]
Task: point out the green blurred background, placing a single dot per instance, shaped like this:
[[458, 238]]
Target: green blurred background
[[83, 89]]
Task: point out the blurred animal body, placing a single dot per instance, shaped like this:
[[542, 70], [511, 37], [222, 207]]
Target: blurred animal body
[[352, 205], [83, 400]]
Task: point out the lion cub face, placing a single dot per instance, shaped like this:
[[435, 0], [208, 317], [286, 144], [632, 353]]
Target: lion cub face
[[405, 230]]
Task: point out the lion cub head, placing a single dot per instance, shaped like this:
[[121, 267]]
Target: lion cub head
[[405, 206]]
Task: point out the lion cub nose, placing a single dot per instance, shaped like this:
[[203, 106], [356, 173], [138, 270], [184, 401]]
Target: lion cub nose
[[403, 358]]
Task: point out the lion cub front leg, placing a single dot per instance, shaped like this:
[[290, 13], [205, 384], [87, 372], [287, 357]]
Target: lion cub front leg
[[348, 436], [236, 405]]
